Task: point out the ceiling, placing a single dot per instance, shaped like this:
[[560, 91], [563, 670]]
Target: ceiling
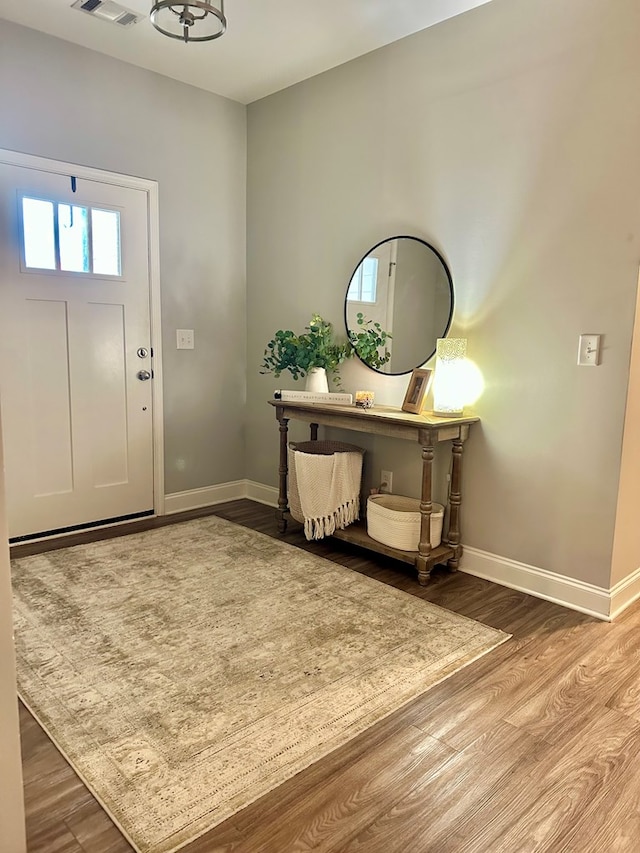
[[269, 44]]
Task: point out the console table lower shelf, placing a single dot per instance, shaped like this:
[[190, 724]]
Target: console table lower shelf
[[425, 429], [356, 534]]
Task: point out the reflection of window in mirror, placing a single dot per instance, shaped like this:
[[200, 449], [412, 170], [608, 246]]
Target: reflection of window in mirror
[[380, 264], [363, 287], [413, 300]]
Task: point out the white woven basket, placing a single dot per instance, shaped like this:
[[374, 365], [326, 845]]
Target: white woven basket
[[394, 520]]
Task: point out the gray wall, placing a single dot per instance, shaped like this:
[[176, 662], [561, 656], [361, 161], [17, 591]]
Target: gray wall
[[508, 138], [61, 101]]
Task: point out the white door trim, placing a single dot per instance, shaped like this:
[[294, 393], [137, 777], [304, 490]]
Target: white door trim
[[45, 164]]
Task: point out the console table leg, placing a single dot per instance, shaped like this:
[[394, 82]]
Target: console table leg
[[283, 507], [455, 500], [314, 431], [426, 508]]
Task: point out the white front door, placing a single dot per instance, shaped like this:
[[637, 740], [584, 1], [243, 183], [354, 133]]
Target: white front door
[[75, 351]]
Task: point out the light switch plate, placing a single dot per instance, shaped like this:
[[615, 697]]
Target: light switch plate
[[589, 350], [184, 339]]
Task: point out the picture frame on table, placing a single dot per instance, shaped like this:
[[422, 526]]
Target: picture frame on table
[[417, 390]]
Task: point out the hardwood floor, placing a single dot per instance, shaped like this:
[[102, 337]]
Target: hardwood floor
[[532, 748]]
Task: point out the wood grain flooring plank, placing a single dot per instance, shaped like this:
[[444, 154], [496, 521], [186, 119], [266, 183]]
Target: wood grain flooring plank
[[618, 833], [39, 756], [583, 686], [611, 821], [51, 839], [530, 635], [434, 807], [625, 698], [60, 791], [270, 808], [329, 814], [94, 830], [510, 683], [542, 803], [225, 838]]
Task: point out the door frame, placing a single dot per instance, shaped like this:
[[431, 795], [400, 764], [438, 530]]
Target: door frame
[[58, 167]]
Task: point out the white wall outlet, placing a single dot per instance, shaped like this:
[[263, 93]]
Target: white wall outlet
[[184, 339], [589, 350], [386, 481]]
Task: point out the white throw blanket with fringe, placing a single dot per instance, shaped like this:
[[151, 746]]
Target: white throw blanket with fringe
[[328, 489]]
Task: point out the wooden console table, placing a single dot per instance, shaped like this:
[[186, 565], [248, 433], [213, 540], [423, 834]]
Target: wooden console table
[[427, 430]]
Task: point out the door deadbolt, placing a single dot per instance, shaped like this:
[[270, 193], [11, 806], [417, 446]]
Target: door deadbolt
[[142, 352], [143, 375]]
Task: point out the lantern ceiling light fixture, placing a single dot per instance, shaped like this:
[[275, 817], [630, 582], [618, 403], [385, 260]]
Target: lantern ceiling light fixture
[[193, 20]]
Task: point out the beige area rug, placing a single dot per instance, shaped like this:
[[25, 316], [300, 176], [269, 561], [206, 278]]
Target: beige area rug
[[186, 671]]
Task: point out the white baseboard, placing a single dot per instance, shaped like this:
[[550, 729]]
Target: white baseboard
[[624, 593], [262, 494], [211, 495], [207, 496], [571, 593]]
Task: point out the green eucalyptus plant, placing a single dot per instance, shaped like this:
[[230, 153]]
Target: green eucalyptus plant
[[367, 342], [298, 354], [316, 347]]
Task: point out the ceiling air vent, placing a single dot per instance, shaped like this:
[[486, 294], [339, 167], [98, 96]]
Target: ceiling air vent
[[109, 11]]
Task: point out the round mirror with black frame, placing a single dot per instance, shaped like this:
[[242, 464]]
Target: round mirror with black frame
[[399, 301]]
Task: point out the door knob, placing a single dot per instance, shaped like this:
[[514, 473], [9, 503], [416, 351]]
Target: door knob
[[143, 375]]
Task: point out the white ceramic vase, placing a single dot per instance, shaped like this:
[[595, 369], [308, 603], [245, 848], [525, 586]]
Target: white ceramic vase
[[317, 380]]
